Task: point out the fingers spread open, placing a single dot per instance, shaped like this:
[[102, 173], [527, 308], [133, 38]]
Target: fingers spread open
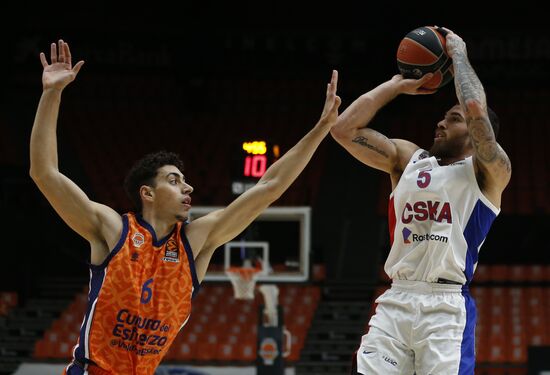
[[337, 102], [61, 51], [68, 56], [53, 53], [43, 59], [334, 81], [77, 67]]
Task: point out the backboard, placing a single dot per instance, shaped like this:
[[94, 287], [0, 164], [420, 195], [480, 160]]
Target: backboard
[[279, 237]]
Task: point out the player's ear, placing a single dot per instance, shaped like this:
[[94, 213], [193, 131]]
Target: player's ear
[[146, 193]]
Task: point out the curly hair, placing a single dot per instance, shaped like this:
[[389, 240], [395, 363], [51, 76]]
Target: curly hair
[[144, 171]]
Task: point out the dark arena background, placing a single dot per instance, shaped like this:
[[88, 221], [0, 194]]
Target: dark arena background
[[202, 78]]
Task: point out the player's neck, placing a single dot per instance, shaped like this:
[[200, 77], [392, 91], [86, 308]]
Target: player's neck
[[161, 226], [446, 158], [450, 159]]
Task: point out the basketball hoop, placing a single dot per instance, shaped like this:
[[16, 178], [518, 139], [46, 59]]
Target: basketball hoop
[[243, 280]]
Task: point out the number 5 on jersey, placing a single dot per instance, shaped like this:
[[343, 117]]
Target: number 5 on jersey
[[424, 179]]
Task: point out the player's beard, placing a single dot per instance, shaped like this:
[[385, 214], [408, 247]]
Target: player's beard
[[447, 148]]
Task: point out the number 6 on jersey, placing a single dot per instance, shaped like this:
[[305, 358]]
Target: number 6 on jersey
[[146, 292]]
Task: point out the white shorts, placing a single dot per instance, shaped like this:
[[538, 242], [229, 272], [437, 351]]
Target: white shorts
[[419, 327]]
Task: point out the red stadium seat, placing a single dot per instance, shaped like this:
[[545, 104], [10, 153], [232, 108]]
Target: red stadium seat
[[227, 352], [62, 350], [498, 272], [185, 351], [205, 351], [518, 273], [246, 351], [42, 349], [536, 273], [481, 273], [497, 350], [518, 349]]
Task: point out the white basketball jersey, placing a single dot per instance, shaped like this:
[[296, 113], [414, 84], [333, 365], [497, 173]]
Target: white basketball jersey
[[438, 220]]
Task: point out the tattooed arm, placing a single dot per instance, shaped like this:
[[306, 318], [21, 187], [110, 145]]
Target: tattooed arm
[[493, 168], [367, 145]]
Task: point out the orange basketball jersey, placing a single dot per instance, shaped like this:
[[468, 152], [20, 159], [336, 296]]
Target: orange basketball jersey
[[139, 299]]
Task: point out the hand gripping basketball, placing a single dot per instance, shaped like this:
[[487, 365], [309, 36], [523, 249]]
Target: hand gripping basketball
[[422, 51]]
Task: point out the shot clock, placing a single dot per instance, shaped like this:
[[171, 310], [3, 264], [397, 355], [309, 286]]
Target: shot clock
[[253, 159]]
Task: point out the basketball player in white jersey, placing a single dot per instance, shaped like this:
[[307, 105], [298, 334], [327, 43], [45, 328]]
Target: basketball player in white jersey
[[442, 204]]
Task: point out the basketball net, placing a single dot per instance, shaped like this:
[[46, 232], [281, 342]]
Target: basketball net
[[243, 280]]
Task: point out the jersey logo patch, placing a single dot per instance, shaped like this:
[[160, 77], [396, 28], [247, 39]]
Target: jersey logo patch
[[407, 238], [423, 155], [138, 239], [406, 233], [171, 251]]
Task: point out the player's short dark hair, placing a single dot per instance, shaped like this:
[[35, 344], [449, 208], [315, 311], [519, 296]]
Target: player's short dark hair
[[493, 119], [144, 171]]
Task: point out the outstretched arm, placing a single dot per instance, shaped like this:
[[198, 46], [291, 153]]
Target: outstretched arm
[[95, 222], [209, 232], [367, 145], [489, 157]]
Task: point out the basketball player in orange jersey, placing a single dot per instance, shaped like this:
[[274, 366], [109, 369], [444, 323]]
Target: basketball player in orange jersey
[[146, 266], [441, 208]]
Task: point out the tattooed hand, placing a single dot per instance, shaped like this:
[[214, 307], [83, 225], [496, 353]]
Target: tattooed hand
[[467, 84], [455, 44]]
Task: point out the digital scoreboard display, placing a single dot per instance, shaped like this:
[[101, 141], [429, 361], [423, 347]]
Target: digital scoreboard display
[[251, 163]]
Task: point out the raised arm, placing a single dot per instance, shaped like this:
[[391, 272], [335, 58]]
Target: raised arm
[[367, 145], [97, 223], [209, 232], [489, 158]]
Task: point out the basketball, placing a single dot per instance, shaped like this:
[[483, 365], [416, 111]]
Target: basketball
[[423, 51]]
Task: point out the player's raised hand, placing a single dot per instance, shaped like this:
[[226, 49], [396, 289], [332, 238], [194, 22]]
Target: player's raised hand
[[60, 72], [454, 43], [332, 101], [412, 86]]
